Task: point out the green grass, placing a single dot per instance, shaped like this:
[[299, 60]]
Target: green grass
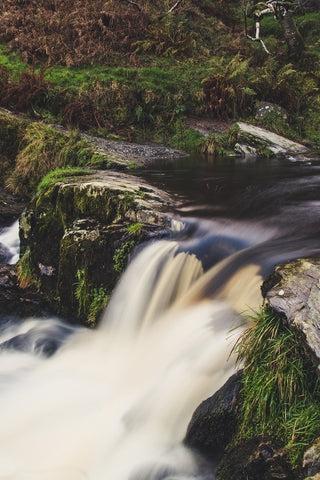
[[281, 391], [11, 62]]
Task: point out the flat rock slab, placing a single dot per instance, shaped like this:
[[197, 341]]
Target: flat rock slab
[[295, 293], [278, 144]]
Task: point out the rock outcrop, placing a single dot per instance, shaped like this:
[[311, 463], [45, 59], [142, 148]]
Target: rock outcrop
[[15, 300], [261, 140], [77, 235], [293, 291], [215, 421]]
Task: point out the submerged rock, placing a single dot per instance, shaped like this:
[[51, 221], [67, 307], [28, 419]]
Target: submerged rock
[[80, 232], [255, 459], [215, 421], [293, 291]]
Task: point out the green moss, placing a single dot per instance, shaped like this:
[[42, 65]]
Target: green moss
[[121, 255], [281, 390], [58, 175], [99, 300], [135, 229], [26, 275], [91, 300]]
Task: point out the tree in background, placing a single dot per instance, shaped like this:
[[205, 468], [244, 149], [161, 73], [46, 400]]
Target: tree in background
[[282, 11]]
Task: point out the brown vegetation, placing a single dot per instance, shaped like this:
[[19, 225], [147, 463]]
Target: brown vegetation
[[82, 32]]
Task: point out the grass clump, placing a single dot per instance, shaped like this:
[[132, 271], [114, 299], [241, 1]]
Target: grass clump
[[281, 390], [45, 148]]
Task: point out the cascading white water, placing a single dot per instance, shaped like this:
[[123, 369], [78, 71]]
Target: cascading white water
[[115, 403], [9, 238]]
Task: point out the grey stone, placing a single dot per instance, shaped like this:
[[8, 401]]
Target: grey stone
[[293, 291]]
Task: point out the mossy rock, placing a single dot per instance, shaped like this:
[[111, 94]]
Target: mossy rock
[[88, 224]]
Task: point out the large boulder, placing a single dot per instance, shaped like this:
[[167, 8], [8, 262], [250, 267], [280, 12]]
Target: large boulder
[[269, 143], [293, 291], [216, 419], [77, 236], [255, 459]]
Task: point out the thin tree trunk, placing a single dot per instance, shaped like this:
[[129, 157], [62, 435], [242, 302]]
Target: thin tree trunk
[[293, 38]]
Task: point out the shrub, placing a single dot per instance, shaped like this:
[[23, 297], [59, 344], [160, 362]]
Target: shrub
[[227, 92]]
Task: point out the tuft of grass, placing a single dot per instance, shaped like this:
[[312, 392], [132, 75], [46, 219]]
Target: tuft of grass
[[43, 149], [281, 390]]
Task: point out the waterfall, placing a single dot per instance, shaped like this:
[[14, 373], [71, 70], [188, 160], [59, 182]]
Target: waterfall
[[9, 238], [115, 403]]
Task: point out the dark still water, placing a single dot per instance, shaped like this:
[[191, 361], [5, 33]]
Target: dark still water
[[269, 209]]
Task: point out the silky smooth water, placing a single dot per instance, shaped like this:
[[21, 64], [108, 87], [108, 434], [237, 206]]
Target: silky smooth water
[[115, 403]]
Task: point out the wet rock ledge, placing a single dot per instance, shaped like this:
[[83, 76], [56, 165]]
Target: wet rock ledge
[[77, 236]]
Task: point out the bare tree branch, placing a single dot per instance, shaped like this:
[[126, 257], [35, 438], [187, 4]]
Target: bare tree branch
[[176, 5]]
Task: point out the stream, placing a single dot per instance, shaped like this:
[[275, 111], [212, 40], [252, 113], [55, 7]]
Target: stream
[[115, 403]]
